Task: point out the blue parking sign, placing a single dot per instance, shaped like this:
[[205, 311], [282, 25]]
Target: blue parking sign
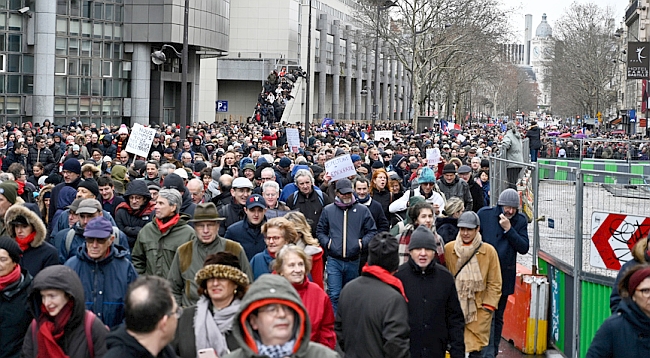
[[222, 106]]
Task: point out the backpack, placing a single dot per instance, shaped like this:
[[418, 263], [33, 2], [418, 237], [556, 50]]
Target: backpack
[[89, 318], [320, 197], [70, 237]]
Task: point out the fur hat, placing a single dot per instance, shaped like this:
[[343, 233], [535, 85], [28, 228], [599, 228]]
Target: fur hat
[[222, 271]]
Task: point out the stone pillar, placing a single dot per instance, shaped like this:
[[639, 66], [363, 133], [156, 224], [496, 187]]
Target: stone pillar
[[348, 72], [391, 89], [369, 86], [359, 76], [45, 38], [322, 66], [399, 93], [140, 83], [336, 68], [384, 89], [405, 98]]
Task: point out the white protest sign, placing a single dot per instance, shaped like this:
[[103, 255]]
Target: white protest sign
[[340, 167], [433, 156], [293, 139], [140, 140], [461, 138], [379, 135]]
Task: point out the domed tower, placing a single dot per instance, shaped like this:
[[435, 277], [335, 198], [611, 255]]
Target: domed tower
[[544, 29], [541, 52]]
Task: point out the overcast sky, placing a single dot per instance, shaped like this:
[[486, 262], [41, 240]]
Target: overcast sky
[[554, 9]]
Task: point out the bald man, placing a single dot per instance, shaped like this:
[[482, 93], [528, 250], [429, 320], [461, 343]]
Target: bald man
[[195, 186]]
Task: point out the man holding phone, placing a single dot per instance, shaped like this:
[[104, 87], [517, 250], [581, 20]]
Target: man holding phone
[[505, 228]]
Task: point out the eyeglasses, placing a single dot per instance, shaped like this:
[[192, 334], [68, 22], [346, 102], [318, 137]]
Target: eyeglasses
[[274, 238], [645, 292], [427, 184], [90, 240], [274, 309], [178, 312], [265, 179]]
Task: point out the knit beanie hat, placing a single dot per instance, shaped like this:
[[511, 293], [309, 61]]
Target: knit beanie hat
[[91, 185], [72, 165], [427, 176], [509, 197], [11, 246], [422, 238], [9, 190], [173, 181], [382, 251]]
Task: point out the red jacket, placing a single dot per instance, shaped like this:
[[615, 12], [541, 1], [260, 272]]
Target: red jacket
[[321, 313]]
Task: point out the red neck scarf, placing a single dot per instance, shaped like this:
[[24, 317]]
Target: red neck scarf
[[12, 277], [385, 276], [21, 187], [24, 243], [51, 330], [164, 227]]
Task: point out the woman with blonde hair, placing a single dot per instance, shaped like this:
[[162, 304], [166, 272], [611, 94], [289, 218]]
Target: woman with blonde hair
[[277, 233], [294, 264], [446, 223], [309, 244]]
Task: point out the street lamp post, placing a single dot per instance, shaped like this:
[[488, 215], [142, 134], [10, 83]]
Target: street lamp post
[[308, 80], [380, 7]]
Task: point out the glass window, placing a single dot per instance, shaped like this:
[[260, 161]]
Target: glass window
[[84, 87], [108, 31], [107, 88], [85, 68], [87, 7], [86, 29], [118, 13], [106, 107], [117, 51], [86, 46], [2, 88], [97, 30], [61, 26], [13, 63], [97, 68], [3, 21], [28, 64], [61, 7], [61, 46], [98, 11], [15, 22], [59, 85], [97, 49], [75, 7], [73, 106], [60, 66], [73, 66], [107, 69], [117, 32], [84, 106], [95, 104], [59, 106], [28, 84], [13, 105], [108, 12], [75, 27], [14, 43], [73, 47], [13, 84], [3, 4], [117, 108], [107, 50], [73, 86], [96, 89], [2, 41], [126, 89], [117, 88]]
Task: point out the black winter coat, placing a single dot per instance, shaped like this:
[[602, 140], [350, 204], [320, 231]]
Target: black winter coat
[[625, 334], [435, 316], [130, 221], [446, 228], [310, 206], [15, 316], [45, 156], [477, 195], [384, 198], [533, 134], [121, 344], [232, 213], [54, 197]]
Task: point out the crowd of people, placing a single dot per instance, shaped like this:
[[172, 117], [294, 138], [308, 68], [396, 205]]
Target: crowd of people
[[275, 94], [227, 243]]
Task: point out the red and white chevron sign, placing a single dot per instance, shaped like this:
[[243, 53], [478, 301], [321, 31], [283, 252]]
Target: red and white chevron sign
[[613, 236]]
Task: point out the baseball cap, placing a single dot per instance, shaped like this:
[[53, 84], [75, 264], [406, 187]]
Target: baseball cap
[[89, 206], [255, 201], [344, 186], [469, 220], [464, 169], [98, 227]]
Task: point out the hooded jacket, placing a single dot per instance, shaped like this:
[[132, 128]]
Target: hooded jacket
[[108, 147], [270, 289], [132, 221], [41, 201], [15, 315], [105, 282], [73, 341], [639, 256], [55, 197], [625, 334], [40, 254], [154, 251]]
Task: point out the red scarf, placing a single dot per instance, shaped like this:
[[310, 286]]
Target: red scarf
[[12, 277], [386, 277], [21, 187], [51, 330], [164, 227], [24, 243]]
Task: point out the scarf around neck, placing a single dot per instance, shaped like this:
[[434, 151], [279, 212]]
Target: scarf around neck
[[277, 351], [210, 328], [164, 227], [10, 278], [469, 280], [343, 206], [363, 201], [51, 330], [386, 277], [24, 243]]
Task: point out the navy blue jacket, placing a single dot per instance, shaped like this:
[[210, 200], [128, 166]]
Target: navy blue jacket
[[261, 264], [625, 334], [79, 240], [377, 212], [360, 227], [248, 236], [105, 282], [507, 244]]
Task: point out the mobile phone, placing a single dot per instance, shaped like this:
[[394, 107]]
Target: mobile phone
[[207, 353]]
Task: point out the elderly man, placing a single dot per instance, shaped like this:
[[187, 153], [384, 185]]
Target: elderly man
[[248, 232], [345, 228], [308, 199], [105, 271], [435, 326], [151, 321], [506, 229], [271, 192], [240, 190], [475, 266], [190, 256], [195, 187], [159, 240], [451, 186]]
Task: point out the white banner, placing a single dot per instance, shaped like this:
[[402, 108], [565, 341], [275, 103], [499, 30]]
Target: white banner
[[293, 139], [140, 140], [340, 167], [433, 156], [379, 135]]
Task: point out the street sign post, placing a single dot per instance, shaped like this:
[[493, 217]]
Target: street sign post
[[222, 106]]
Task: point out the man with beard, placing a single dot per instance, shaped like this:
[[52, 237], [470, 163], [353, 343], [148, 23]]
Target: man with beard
[[345, 227], [234, 211], [506, 229]]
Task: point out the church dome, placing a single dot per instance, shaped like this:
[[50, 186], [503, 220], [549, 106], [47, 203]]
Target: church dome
[[544, 29]]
